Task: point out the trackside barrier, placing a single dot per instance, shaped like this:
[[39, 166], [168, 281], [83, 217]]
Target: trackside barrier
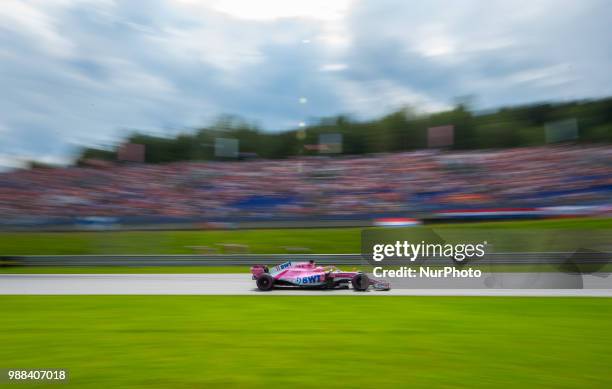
[[322, 259]]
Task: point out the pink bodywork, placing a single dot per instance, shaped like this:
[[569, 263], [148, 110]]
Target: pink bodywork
[[302, 273]]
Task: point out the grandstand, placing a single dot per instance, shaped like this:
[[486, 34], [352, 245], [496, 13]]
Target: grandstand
[[307, 188]]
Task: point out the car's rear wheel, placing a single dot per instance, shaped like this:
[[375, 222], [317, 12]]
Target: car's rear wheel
[[265, 282], [360, 282]]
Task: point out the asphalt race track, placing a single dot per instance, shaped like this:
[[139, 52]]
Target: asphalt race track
[[502, 284]]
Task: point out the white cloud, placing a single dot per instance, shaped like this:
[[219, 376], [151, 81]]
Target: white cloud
[[380, 97], [434, 40], [224, 48], [82, 72], [333, 67], [27, 19], [547, 76], [265, 10]]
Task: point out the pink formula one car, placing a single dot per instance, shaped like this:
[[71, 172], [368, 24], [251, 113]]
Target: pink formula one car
[[309, 275]]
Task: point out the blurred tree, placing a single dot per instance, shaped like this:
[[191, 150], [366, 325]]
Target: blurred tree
[[396, 131]]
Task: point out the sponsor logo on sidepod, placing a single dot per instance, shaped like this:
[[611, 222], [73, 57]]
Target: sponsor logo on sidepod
[[282, 266], [309, 279]]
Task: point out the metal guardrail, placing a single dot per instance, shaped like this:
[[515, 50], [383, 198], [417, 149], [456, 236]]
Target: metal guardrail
[[183, 260], [271, 259]]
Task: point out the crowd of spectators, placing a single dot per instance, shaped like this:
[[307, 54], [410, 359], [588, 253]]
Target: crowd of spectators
[[315, 186]]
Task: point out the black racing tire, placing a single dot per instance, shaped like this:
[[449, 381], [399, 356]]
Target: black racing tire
[[265, 282], [360, 282], [329, 283]]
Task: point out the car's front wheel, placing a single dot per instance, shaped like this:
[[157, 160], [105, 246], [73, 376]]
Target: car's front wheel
[[265, 282], [360, 282]]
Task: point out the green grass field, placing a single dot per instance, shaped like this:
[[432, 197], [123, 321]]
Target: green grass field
[[331, 240], [273, 342], [325, 241]]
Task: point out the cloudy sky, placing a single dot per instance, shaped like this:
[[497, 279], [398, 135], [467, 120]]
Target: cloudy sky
[[85, 72]]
